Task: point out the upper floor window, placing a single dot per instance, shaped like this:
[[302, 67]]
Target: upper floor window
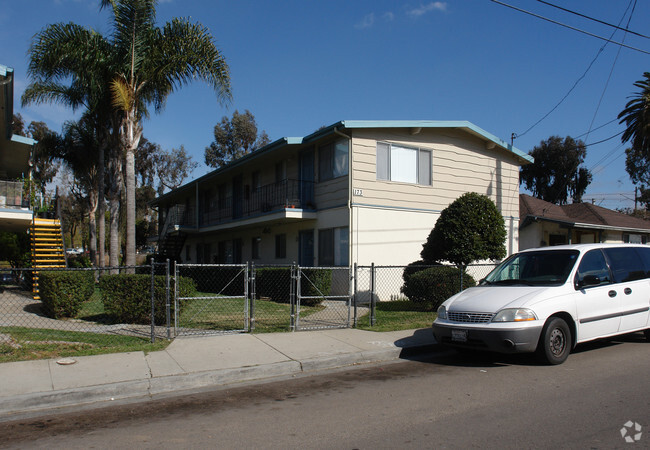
[[332, 160], [404, 164]]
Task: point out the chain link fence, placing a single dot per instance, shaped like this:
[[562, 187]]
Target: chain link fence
[[81, 309], [92, 307], [408, 294]]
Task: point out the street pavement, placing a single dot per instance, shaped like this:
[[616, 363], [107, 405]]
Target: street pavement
[[190, 363]]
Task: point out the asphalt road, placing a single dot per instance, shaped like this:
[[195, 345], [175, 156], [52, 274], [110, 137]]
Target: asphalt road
[[444, 400]]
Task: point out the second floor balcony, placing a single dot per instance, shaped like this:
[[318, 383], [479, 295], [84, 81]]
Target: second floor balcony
[[290, 199]]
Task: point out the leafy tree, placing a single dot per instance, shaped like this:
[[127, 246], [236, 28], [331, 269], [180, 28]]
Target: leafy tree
[[45, 165], [15, 248], [636, 117], [234, 138], [151, 63], [556, 173], [172, 168], [471, 228]]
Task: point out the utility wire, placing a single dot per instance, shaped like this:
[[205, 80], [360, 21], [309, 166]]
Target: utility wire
[[609, 77], [597, 128], [618, 27], [571, 28], [600, 50]]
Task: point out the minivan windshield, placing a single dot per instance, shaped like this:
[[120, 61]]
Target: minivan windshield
[[536, 268]]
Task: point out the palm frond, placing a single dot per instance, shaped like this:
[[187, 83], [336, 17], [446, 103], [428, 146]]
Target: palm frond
[[122, 94]]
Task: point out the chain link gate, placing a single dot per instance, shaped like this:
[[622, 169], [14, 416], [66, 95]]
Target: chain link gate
[[325, 291], [211, 298]]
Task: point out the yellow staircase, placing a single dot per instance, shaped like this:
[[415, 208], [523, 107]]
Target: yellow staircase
[[47, 247]]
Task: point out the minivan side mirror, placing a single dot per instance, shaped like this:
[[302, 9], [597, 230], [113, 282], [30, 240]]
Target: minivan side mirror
[[587, 281]]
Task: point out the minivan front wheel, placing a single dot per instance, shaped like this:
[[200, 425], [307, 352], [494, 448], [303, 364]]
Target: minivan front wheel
[[555, 342]]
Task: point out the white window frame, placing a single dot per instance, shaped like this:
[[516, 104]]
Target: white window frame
[[392, 167]]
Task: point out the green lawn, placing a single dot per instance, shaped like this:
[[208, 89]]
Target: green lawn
[[218, 313], [397, 315], [40, 343]]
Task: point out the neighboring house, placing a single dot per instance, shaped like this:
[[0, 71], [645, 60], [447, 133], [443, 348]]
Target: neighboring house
[[544, 223], [352, 192], [15, 154]]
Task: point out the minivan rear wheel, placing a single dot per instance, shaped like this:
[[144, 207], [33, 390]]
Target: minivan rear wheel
[[555, 342], [647, 333]]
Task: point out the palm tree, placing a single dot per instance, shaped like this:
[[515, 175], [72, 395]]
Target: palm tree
[[79, 142], [73, 66], [151, 63], [636, 117]]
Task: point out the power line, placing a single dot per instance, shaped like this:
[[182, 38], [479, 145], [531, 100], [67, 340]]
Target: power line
[[571, 28], [597, 128], [600, 50], [627, 30]]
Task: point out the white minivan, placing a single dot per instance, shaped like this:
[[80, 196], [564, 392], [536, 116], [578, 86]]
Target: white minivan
[[550, 299]]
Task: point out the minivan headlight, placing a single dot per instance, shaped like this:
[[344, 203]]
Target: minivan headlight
[[442, 312], [514, 315]]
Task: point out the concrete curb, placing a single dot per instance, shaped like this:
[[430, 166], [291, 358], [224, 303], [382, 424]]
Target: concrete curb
[[41, 402]]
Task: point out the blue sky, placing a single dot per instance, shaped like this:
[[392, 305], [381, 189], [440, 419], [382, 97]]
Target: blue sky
[[299, 65]]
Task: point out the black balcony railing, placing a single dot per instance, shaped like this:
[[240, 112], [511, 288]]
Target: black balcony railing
[[265, 199], [11, 195]]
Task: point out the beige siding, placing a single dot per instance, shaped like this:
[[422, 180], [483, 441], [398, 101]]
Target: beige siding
[[331, 193], [461, 163]]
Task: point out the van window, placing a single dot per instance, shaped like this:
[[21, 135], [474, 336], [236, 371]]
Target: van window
[[644, 253], [594, 264], [625, 263], [541, 268]]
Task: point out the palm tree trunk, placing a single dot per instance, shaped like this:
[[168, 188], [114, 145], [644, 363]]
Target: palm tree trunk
[[130, 207], [92, 226], [114, 230], [101, 210]]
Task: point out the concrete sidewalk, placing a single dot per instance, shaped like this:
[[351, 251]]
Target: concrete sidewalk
[[193, 363]]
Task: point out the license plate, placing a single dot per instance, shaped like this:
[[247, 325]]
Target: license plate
[[459, 335]]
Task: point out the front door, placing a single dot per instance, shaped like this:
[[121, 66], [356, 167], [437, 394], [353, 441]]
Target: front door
[[307, 179], [597, 306], [306, 241]]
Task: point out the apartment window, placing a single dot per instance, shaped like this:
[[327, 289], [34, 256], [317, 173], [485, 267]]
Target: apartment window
[[280, 246], [255, 247], [333, 244], [403, 164], [333, 160]]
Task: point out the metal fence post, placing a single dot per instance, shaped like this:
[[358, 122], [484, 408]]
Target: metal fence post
[[253, 295], [462, 269], [292, 298], [372, 295], [175, 298], [298, 294], [354, 295], [167, 303], [153, 318]]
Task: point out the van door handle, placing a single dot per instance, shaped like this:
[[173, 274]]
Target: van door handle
[[612, 294], [627, 291]]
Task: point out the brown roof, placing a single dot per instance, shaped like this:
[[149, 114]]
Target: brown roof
[[578, 213]]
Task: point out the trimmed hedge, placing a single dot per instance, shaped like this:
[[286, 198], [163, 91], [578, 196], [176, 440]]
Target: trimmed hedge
[[63, 292], [127, 297], [275, 283], [430, 287]]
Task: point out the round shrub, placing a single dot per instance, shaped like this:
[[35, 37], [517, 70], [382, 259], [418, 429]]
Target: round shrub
[[430, 287], [127, 297], [470, 229], [63, 292]]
